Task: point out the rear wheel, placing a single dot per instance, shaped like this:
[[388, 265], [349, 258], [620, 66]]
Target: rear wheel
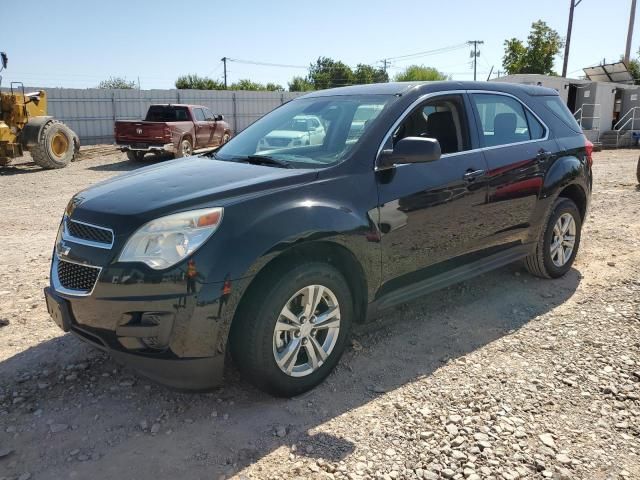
[[185, 149], [56, 146], [559, 241], [225, 139], [294, 329], [638, 171], [135, 156]]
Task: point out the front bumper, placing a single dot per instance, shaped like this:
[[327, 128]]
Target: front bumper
[[183, 346]]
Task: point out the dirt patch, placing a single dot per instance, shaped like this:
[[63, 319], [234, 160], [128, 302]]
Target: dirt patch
[[504, 376]]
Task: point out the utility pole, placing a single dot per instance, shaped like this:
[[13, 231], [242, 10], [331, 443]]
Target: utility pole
[[475, 54], [224, 60], [632, 17], [567, 45], [384, 63]]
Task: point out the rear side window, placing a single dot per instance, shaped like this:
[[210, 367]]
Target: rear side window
[[560, 110], [504, 120]]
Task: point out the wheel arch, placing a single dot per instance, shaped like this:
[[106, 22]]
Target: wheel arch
[[577, 194], [324, 251]]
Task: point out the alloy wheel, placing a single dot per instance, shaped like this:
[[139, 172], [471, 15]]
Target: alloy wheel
[[563, 239], [306, 330]]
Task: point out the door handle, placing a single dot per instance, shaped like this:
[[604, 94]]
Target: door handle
[[471, 175]]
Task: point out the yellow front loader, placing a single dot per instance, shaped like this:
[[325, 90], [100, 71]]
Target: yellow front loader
[[25, 126]]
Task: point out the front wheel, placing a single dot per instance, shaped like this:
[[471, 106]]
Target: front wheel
[[294, 329], [558, 243], [135, 156], [225, 139]]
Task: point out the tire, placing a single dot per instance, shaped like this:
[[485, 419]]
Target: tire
[[225, 139], [543, 263], [185, 149], [135, 156], [638, 171], [255, 343], [56, 146]]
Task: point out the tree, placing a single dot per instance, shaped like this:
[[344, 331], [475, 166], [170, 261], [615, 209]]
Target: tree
[[195, 82], [246, 84], [415, 73], [274, 87], [329, 73], [537, 56], [117, 82], [364, 74], [634, 68], [300, 84]]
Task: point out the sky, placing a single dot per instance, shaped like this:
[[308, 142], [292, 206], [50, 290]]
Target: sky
[[76, 44]]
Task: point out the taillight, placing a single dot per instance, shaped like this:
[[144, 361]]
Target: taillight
[[167, 132], [588, 146]]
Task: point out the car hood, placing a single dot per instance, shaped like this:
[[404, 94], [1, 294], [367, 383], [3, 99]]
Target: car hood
[[178, 185], [291, 134]]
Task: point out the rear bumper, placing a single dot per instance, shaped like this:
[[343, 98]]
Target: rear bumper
[[164, 148]]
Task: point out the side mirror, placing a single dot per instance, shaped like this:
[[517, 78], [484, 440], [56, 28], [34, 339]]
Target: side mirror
[[218, 118], [4, 59], [410, 150]]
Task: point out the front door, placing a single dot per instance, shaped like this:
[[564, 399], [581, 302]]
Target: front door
[[432, 212], [215, 128], [203, 129]]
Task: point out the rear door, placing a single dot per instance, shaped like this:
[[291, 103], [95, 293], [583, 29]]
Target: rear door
[[433, 212], [517, 148], [202, 128]]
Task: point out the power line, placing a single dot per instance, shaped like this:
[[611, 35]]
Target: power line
[[426, 53]]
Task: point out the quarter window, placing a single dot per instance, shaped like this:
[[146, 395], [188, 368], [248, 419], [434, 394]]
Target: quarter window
[[503, 120]]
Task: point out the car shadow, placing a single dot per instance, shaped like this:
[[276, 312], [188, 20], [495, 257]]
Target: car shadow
[[117, 418]]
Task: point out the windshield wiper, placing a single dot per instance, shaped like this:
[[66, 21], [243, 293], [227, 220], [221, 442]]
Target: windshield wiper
[[266, 160]]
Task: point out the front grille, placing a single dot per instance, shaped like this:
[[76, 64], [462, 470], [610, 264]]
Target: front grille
[[278, 142], [73, 276], [89, 233]]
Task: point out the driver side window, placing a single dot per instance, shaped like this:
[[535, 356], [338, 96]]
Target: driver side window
[[441, 118]]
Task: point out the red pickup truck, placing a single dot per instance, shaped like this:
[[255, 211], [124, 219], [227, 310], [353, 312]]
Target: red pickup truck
[[174, 129]]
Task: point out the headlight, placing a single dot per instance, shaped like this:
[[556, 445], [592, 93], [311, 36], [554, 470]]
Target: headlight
[[165, 241]]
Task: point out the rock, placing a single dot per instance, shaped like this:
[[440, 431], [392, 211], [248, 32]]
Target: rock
[[452, 429], [547, 440], [58, 427], [83, 458], [5, 452], [481, 437], [563, 459], [455, 418], [280, 431], [74, 452], [448, 473], [155, 428], [390, 452], [143, 425], [24, 476]]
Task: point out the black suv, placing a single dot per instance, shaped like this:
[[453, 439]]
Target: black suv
[[271, 248]]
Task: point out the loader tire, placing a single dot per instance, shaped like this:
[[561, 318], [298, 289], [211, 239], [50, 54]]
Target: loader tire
[[56, 146], [638, 171]]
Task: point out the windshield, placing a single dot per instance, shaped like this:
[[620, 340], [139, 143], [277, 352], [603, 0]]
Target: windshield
[[307, 133]]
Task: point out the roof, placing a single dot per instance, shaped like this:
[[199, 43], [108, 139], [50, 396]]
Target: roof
[[176, 105], [402, 88]]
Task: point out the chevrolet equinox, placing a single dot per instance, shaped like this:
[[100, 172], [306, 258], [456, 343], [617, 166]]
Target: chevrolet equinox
[[269, 249]]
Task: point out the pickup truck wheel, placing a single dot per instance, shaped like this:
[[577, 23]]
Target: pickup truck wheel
[[135, 156], [294, 329], [185, 148], [638, 170], [225, 138], [559, 241]]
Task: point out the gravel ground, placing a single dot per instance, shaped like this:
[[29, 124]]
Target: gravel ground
[[505, 376]]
